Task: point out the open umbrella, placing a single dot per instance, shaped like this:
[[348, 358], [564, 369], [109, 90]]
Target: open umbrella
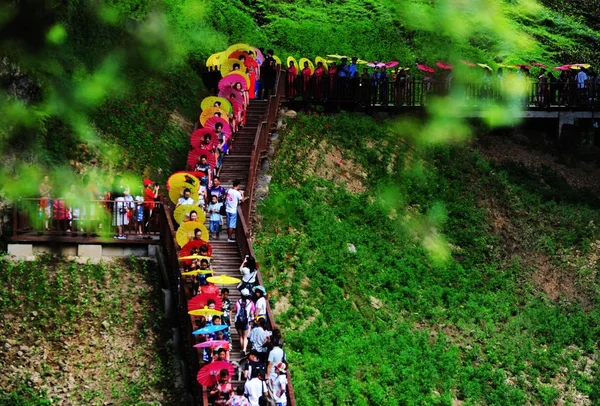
[[214, 344], [210, 329], [201, 300], [581, 65], [182, 213], [291, 59], [197, 138], [539, 65], [209, 374], [277, 60], [195, 154], [195, 256], [391, 64], [214, 101], [336, 56], [260, 58], [484, 66], [310, 64], [228, 66], [212, 112], [425, 68], [197, 272], [564, 67], [210, 289], [178, 182], [205, 312], [185, 232], [444, 65], [322, 60], [502, 65], [223, 280], [237, 54], [213, 121], [195, 245], [468, 63], [240, 46], [361, 62], [214, 60], [230, 81]]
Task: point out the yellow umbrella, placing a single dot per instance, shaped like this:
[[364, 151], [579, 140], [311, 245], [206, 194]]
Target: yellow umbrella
[[180, 181], [182, 213], [205, 312], [227, 66], [361, 62], [210, 101], [185, 232], [484, 66], [242, 74], [337, 56], [223, 280], [194, 256], [291, 59], [214, 60], [323, 61], [240, 46], [197, 272], [310, 64], [210, 112], [277, 60]]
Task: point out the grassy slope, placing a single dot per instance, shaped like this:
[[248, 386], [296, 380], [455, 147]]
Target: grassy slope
[[99, 339], [511, 317]]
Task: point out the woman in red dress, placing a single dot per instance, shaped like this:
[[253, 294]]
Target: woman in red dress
[[306, 74], [332, 73], [252, 71], [292, 72], [319, 72]]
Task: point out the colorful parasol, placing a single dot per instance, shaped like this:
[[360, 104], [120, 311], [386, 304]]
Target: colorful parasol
[[502, 65], [214, 344], [311, 66], [178, 182], [209, 374], [228, 66], [238, 54], [259, 57], [212, 112], [214, 60], [182, 213], [210, 329], [197, 272], [210, 101], [581, 65], [205, 312], [194, 245], [391, 64], [336, 56], [240, 46], [468, 63], [277, 60], [361, 62], [223, 280], [562, 68], [197, 138], [196, 257], [444, 65], [185, 232], [195, 154], [201, 300], [232, 78], [213, 121], [322, 60], [291, 59], [425, 68], [484, 66], [209, 289]]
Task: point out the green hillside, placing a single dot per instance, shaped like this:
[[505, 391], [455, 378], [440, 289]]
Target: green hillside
[[404, 275]]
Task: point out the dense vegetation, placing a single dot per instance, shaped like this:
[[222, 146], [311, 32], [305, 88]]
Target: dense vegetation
[[470, 281], [100, 340]]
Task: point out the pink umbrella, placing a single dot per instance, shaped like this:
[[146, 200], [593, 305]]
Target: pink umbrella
[[213, 121], [376, 64], [260, 58], [213, 344], [468, 63], [425, 68], [444, 65], [228, 82], [237, 101], [391, 64], [564, 67]]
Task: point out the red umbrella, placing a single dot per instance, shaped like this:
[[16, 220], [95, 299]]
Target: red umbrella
[[229, 81], [197, 138], [541, 65], [196, 153], [186, 250], [425, 68], [214, 344], [237, 54], [209, 289], [391, 64], [444, 65], [201, 300], [209, 374], [468, 63], [212, 122]]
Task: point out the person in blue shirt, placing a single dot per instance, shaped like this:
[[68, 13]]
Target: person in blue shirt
[[343, 69], [353, 68]]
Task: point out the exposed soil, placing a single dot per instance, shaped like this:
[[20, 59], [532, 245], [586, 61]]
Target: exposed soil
[[329, 164]]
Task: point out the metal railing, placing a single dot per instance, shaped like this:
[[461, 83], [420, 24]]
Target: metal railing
[[87, 218], [413, 92]]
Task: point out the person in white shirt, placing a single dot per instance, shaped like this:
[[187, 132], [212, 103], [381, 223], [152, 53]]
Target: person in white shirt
[[232, 200], [261, 302], [276, 355], [255, 388], [186, 198], [280, 385]]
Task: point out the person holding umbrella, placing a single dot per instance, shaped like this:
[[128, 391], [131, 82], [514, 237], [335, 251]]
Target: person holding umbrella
[[221, 391], [150, 194]]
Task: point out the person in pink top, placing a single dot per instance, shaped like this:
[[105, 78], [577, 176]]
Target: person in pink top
[[244, 313], [292, 72]]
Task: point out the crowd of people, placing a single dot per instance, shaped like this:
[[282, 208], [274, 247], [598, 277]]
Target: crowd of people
[[197, 195]]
